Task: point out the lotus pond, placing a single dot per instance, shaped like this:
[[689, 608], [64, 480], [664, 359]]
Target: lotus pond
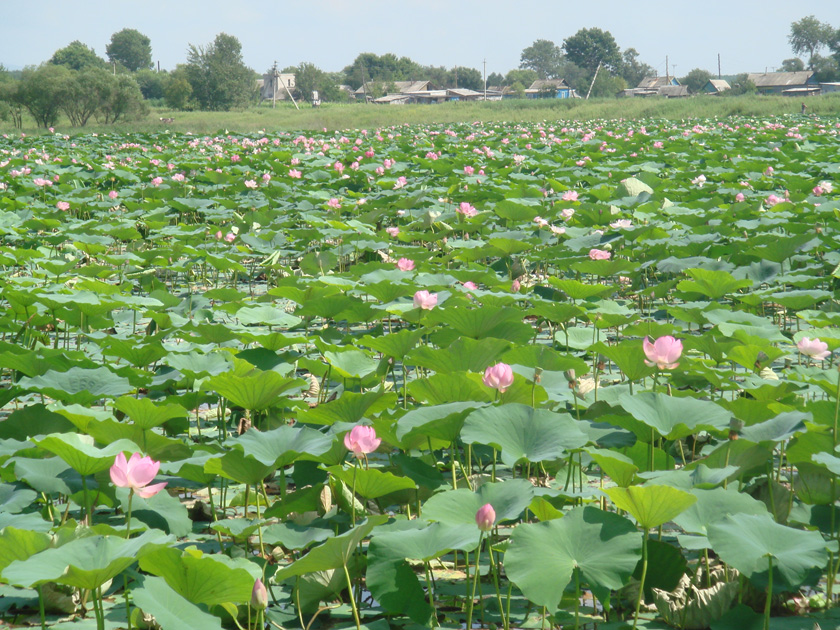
[[484, 375]]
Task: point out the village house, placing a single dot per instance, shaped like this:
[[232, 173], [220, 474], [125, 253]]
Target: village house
[[716, 86], [800, 83], [666, 86], [276, 85], [550, 88]]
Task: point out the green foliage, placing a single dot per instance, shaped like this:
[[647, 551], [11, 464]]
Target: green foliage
[[77, 56], [372, 68], [591, 46], [152, 84], [130, 48], [39, 92], [809, 35], [696, 79], [543, 57], [219, 79]]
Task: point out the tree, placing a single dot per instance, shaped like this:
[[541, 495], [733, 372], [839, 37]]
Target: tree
[[794, 64], [525, 77], [122, 100], [219, 79], [606, 85], [11, 105], [40, 89], [77, 56], [468, 78], [372, 68], [591, 46], [543, 57], [152, 84], [130, 48], [740, 85], [826, 69], [495, 79], [178, 92], [808, 35], [696, 79], [632, 70], [82, 94]]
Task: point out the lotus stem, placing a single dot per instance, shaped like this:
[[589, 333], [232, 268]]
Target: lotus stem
[[128, 514], [352, 598], [642, 582], [769, 594], [495, 571], [41, 607], [471, 595]]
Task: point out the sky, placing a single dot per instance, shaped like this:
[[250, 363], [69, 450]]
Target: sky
[[750, 36]]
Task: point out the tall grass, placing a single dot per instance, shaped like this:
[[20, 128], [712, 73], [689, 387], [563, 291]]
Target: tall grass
[[356, 115]]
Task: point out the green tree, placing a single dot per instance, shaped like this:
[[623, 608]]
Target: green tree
[[468, 78], [123, 100], [372, 68], [543, 57], [606, 85], [826, 69], [40, 91], [524, 77], [152, 84], [795, 64], [130, 48], [11, 105], [177, 92], [81, 94], [308, 78], [495, 79], [632, 70], [809, 35], [740, 85], [696, 79], [591, 46], [219, 79], [77, 56]]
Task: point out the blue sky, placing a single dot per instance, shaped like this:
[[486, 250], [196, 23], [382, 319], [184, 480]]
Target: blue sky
[[749, 35]]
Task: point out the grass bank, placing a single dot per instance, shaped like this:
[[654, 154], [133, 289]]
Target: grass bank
[[353, 116]]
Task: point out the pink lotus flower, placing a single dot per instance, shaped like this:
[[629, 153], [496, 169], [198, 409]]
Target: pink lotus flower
[[466, 209], [178, 177], [230, 237], [657, 144], [699, 181], [62, 205], [470, 285], [40, 181], [739, 197], [361, 440], [499, 376], [599, 254], [425, 300], [405, 264], [570, 195], [485, 517], [294, 173], [157, 181], [339, 167], [469, 170], [772, 200], [663, 353], [219, 235], [515, 286], [113, 194], [250, 183], [818, 191], [567, 213], [266, 178], [334, 203], [259, 595], [401, 181], [768, 171], [392, 231], [621, 224], [813, 348], [136, 474]]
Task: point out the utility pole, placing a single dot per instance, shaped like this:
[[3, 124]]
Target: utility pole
[[593, 81], [485, 79], [274, 77], [719, 74], [667, 74]]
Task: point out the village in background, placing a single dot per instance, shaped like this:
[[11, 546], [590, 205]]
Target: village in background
[[79, 85]]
